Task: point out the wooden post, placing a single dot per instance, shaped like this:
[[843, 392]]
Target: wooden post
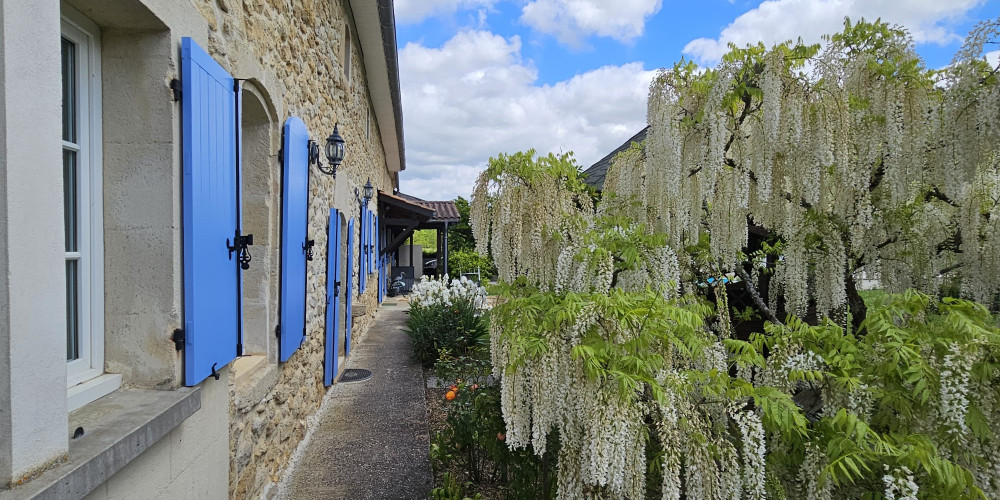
[[446, 248]]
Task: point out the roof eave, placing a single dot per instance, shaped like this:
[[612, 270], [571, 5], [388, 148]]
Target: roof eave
[[376, 29]]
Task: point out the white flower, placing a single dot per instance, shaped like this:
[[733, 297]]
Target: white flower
[[899, 484], [754, 451], [957, 368]]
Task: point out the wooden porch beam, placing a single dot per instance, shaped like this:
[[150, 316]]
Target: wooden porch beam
[[401, 237]]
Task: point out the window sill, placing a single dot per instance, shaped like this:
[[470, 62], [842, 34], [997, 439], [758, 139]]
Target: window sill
[[253, 378], [117, 429], [87, 392]]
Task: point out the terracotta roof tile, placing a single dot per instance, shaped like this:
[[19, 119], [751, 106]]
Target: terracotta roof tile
[[444, 211]]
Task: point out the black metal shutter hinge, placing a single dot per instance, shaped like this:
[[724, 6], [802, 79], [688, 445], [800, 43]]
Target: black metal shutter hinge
[[277, 331], [175, 85], [178, 338]]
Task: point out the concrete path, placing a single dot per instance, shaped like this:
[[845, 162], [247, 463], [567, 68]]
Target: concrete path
[[372, 443]]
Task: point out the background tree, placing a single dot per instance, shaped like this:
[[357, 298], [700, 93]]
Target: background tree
[[460, 233]]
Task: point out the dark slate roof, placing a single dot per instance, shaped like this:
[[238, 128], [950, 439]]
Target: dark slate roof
[[444, 211], [594, 176]]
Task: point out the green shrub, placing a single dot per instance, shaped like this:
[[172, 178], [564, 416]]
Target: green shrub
[[475, 436], [468, 261], [450, 490], [456, 328], [446, 316]]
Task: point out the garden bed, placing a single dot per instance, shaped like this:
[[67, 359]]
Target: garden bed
[[437, 414]]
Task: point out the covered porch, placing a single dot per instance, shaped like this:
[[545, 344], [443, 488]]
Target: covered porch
[[402, 215]]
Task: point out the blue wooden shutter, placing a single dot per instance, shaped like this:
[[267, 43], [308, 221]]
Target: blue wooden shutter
[[371, 240], [332, 297], [361, 252], [362, 264], [364, 245], [294, 213], [378, 260], [348, 289], [211, 279]]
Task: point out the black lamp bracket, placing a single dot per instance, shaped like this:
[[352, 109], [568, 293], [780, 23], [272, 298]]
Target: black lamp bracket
[[314, 159]]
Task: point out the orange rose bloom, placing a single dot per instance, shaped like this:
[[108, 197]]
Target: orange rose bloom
[[450, 395]]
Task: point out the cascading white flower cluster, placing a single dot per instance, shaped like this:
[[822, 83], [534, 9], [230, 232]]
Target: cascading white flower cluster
[[899, 484], [579, 270], [515, 215], [431, 292], [955, 373], [834, 162], [659, 269], [785, 360], [601, 435], [754, 452], [809, 474]]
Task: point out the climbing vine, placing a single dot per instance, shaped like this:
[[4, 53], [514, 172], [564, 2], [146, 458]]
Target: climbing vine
[[613, 331]]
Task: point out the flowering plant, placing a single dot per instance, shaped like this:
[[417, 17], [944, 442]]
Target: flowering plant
[[446, 317], [430, 292], [835, 156], [474, 437]]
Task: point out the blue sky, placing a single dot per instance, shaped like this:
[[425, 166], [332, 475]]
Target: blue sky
[[481, 77]]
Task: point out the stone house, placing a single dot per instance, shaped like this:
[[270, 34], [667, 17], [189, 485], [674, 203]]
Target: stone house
[[149, 347]]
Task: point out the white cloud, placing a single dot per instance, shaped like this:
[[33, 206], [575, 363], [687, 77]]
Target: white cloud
[[775, 21], [573, 20], [993, 57], [474, 97], [414, 11]]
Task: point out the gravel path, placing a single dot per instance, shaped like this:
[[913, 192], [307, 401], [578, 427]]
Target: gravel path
[[373, 442]]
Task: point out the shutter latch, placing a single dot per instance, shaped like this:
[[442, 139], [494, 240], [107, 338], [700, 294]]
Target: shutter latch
[[239, 245], [307, 248], [175, 85], [336, 288], [178, 338]]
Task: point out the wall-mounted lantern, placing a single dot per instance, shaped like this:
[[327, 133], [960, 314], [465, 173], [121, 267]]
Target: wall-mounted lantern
[[369, 191], [364, 195], [334, 153]]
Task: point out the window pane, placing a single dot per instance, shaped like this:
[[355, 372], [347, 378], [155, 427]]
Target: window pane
[[72, 310], [69, 111], [70, 194]]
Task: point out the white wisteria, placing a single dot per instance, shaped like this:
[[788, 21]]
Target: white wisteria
[[853, 154], [610, 338]]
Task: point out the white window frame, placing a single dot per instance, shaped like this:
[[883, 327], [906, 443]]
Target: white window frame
[[85, 376]]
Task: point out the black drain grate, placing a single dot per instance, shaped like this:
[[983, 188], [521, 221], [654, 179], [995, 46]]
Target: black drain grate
[[355, 375]]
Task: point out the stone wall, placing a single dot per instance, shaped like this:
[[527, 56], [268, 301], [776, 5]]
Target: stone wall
[[294, 52]]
